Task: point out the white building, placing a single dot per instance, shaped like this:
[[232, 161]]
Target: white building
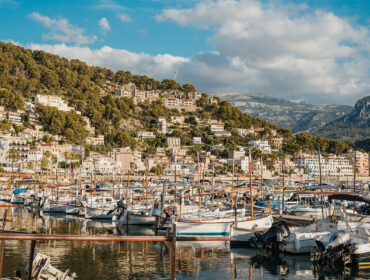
[[178, 119], [173, 142], [56, 149], [331, 166], [98, 140], [222, 134], [261, 145], [242, 163], [145, 134], [15, 117], [162, 125], [197, 140], [245, 131], [102, 164], [53, 101], [236, 154], [30, 106], [34, 155], [217, 128], [127, 90], [17, 143]]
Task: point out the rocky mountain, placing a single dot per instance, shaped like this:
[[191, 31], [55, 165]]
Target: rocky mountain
[[353, 126], [298, 116]]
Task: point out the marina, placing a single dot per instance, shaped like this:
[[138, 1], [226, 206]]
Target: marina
[[203, 139], [182, 230]]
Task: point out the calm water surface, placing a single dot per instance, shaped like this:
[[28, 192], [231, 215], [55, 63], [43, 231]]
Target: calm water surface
[[149, 260]]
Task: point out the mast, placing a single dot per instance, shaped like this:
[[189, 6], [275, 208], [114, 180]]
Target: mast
[[299, 167], [308, 172], [261, 178], [175, 193], [232, 180], [282, 169], [354, 181], [320, 167], [175, 167], [250, 182], [146, 182]]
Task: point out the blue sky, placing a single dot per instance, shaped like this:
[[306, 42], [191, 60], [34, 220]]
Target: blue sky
[[312, 50]]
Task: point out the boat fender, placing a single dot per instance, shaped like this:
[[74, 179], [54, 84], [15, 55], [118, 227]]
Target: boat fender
[[297, 243], [156, 212]]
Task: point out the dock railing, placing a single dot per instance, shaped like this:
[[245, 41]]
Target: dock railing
[[172, 240]]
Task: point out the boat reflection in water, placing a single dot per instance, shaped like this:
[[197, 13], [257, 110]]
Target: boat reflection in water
[[147, 260]]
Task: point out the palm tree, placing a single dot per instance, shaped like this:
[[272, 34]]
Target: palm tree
[[44, 163], [30, 165], [13, 156], [51, 159]]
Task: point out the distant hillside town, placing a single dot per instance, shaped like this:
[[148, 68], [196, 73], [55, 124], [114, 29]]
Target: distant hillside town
[[65, 116]]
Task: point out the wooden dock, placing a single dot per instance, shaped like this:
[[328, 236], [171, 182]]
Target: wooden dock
[[292, 220]]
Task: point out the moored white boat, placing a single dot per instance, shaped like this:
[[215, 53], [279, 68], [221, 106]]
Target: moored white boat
[[203, 228]]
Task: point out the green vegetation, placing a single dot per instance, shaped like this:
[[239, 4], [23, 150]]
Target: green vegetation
[[69, 124], [362, 145], [25, 73]]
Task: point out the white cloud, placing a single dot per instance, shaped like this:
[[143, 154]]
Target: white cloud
[[62, 31], [159, 66], [124, 17], [108, 5], [104, 24], [290, 51]]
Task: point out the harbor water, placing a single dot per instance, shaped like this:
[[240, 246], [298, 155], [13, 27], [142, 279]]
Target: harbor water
[[150, 260]]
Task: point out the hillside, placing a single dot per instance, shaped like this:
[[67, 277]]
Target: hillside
[[98, 97], [355, 125], [298, 116]]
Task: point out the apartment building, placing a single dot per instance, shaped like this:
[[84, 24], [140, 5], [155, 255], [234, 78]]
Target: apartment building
[[262, 145], [197, 140], [162, 125], [360, 160], [173, 142], [276, 142], [10, 142], [217, 127], [53, 101], [145, 134], [98, 140], [331, 166]]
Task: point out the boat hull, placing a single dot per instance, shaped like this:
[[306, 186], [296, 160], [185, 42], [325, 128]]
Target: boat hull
[[215, 229]]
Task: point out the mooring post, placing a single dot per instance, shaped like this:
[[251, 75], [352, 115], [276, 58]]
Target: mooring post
[[2, 256], [32, 251], [2, 245], [127, 221], [173, 252]]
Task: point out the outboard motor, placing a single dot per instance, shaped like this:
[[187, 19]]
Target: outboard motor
[[337, 250], [169, 211], [120, 207], [275, 234]]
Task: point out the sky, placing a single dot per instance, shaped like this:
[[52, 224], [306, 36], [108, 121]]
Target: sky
[[314, 50]]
